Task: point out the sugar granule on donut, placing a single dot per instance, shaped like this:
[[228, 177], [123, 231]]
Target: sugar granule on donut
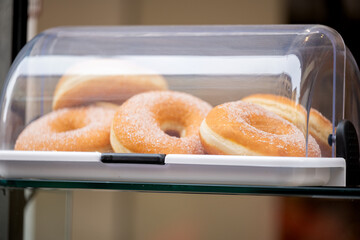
[[144, 122], [319, 126], [242, 128], [69, 129]]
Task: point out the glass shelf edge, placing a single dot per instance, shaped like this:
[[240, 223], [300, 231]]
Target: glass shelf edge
[[314, 192]]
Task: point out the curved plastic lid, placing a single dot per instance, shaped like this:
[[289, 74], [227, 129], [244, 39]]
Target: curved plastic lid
[[296, 72]]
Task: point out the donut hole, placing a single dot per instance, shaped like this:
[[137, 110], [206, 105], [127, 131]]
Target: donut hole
[[67, 128], [173, 129], [65, 125], [269, 125], [64, 128], [173, 133]]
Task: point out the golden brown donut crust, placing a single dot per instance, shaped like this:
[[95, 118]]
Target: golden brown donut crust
[[78, 87], [250, 129], [69, 129], [319, 126], [138, 125]]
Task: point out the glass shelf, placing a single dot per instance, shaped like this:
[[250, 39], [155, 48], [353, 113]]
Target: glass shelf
[[320, 192]]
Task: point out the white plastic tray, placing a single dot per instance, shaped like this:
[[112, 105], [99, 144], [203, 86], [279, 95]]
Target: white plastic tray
[[176, 168]]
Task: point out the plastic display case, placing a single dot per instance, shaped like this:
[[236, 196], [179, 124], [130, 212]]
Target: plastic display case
[[309, 65]]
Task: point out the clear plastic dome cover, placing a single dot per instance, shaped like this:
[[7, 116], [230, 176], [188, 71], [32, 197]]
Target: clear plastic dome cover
[[307, 67]]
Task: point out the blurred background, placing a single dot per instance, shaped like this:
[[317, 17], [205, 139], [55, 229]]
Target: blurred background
[[81, 214], [342, 15]]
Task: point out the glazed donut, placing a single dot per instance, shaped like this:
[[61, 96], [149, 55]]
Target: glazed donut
[[70, 129], [242, 128], [107, 80], [319, 126], [159, 122]]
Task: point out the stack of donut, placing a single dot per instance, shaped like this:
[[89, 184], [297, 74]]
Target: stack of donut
[[319, 126], [89, 114], [265, 124], [138, 114]]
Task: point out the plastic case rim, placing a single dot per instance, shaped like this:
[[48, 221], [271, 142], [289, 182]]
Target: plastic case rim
[[178, 168]]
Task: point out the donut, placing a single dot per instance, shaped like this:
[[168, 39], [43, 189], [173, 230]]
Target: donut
[[159, 122], [106, 80], [319, 126], [70, 129], [242, 128]]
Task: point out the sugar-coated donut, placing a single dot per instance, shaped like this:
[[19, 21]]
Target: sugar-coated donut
[[70, 129], [159, 122], [319, 126], [242, 128], [107, 80]]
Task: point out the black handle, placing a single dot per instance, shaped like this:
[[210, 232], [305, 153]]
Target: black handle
[[133, 158], [347, 147]]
